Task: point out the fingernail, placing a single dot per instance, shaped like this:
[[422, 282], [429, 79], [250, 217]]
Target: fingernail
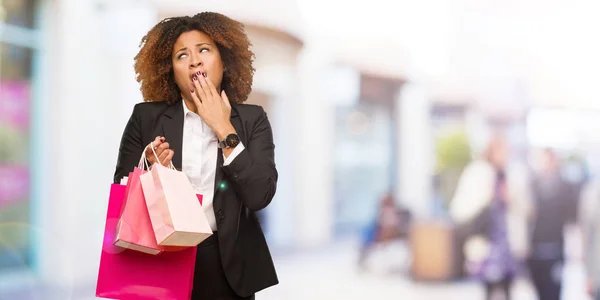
[[195, 78], [204, 74], [162, 139], [192, 91], [198, 73]]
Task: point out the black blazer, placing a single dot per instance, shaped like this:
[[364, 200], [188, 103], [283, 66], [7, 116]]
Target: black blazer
[[249, 184]]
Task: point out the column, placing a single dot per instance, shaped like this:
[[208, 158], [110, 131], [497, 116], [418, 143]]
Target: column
[[313, 136], [416, 152]]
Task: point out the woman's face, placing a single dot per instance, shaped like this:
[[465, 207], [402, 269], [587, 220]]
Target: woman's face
[[193, 52]]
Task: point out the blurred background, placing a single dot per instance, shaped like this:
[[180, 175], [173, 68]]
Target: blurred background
[[377, 108]]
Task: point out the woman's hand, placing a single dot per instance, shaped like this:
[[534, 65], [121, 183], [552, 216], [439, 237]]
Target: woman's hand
[[213, 108], [165, 155]]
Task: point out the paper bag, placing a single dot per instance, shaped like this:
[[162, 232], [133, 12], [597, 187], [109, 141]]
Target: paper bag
[[130, 275], [134, 230], [175, 212]]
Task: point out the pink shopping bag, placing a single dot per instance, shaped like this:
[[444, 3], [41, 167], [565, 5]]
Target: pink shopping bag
[[134, 230], [131, 275], [177, 217]]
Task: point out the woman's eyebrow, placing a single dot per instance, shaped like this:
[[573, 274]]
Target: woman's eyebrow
[[197, 45]]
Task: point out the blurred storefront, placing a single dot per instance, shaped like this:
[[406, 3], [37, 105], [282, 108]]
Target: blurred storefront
[[366, 155], [19, 52]]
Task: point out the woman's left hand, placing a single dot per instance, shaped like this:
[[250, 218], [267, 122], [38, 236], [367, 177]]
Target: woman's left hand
[[213, 108]]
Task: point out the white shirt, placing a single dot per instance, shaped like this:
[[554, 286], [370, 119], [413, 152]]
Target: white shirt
[[199, 159]]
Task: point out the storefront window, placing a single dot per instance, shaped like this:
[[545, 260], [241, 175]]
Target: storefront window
[[18, 12], [362, 164], [15, 202]]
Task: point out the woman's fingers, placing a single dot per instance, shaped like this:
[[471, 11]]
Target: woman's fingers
[[199, 91], [156, 143], [163, 155], [162, 151], [196, 99], [165, 162], [162, 147], [209, 87]]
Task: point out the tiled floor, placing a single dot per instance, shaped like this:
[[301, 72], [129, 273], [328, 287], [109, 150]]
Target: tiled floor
[[330, 273]]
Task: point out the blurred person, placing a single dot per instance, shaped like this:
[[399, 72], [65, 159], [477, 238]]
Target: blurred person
[[555, 206], [589, 217], [195, 74], [490, 209], [390, 224]]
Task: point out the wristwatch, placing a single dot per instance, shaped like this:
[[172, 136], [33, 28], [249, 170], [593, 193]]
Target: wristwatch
[[230, 141]]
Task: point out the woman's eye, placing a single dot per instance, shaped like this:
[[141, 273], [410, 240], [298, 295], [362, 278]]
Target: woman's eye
[[203, 50], [181, 55]]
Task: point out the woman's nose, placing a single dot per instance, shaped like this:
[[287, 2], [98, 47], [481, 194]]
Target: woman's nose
[[195, 64], [196, 61]]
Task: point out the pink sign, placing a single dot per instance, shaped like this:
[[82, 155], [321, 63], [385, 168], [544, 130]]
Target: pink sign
[[14, 103], [14, 183]]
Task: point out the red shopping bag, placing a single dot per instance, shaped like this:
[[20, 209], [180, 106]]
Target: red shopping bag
[[131, 275]]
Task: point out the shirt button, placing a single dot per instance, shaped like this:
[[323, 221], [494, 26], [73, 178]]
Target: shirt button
[[235, 175], [221, 215]]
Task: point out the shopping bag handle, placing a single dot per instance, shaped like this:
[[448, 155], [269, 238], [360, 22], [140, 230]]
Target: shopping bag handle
[[144, 163]]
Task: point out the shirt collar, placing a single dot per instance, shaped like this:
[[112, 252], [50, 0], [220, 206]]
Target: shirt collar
[[187, 112], [185, 108]]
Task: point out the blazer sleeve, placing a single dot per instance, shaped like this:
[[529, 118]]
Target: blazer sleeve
[[131, 146], [252, 173]]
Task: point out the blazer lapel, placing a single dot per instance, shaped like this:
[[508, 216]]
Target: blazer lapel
[[172, 128], [237, 124]]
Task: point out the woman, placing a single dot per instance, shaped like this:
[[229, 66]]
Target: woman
[[489, 206], [195, 73]]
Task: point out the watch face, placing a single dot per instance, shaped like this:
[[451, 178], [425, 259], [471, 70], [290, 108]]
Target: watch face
[[232, 140]]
